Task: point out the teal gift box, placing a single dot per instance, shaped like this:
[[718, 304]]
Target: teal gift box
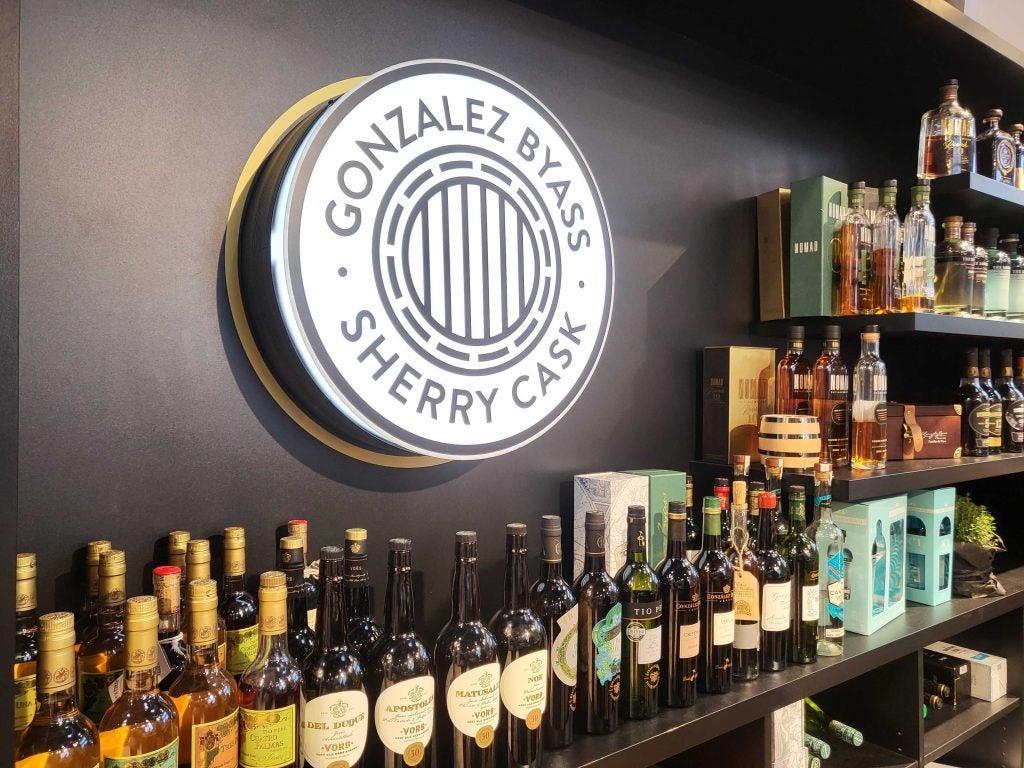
[[875, 557], [817, 209], [931, 518], [665, 485]]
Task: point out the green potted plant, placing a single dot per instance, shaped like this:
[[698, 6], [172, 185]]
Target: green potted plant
[[975, 543]]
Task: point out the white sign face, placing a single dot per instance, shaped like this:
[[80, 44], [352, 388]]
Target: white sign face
[[442, 262]]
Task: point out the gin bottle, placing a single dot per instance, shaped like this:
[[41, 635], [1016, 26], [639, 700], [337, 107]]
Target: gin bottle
[[946, 144], [1010, 245], [997, 283], [1018, 169], [954, 270], [979, 275], [829, 539]]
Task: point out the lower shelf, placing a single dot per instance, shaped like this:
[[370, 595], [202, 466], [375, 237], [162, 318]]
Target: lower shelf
[[947, 729], [867, 755]]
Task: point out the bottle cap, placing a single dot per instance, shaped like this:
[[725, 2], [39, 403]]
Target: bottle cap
[[198, 550], [756, 485], [832, 332], [636, 512], [889, 184], [25, 565], [289, 551], [796, 332], [355, 534], [766, 500], [721, 482], [93, 550], [948, 90], [176, 541], [402, 545], [869, 331], [112, 563], [234, 538], [594, 520], [515, 529], [676, 509], [712, 504], [953, 221], [140, 613], [972, 357], [202, 590], [551, 525], [994, 114], [273, 587], [166, 572], [1017, 127], [796, 491], [465, 537], [298, 525], [56, 632], [970, 226], [773, 464], [859, 185], [273, 579], [331, 554]]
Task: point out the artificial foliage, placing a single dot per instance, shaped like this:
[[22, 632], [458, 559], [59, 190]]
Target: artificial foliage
[[976, 525]]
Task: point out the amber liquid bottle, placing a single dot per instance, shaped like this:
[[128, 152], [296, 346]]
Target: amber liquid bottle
[[141, 727], [205, 696], [85, 622], [101, 657], [237, 607], [26, 648], [363, 629], [300, 528], [167, 588], [292, 563], [831, 400], [197, 566], [995, 402], [793, 379], [746, 594], [177, 554], [59, 735], [270, 690]]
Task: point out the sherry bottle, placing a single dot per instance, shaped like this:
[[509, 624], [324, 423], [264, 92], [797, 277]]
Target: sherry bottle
[[885, 239], [692, 534], [197, 566], [640, 595], [467, 655], [680, 585], [300, 528], [177, 554], [793, 380], [552, 600], [59, 734], [831, 400], [946, 143], [1013, 406], [363, 629], [979, 276], [721, 491], [917, 266], [954, 270], [746, 595], [86, 623], [776, 591], [995, 149], [167, 588], [869, 404], [854, 256], [974, 409], [802, 556], [717, 618], [995, 402], [237, 607], [101, 656], [26, 645], [292, 564], [829, 539]]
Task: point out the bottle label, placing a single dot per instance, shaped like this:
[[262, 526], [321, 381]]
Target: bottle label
[[744, 596], [643, 630], [607, 639], [333, 729], [834, 633], [977, 420], [474, 703], [1017, 290], [94, 694], [166, 649], [24, 695], [775, 607], [267, 737], [311, 618], [165, 757], [724, 628], [1014, 416], [746, 636], [689, 640], [995, 425], [404, 717], [215, 744], [524, 686], [564, 648], [835, 579], [241, 648], [810, 607]]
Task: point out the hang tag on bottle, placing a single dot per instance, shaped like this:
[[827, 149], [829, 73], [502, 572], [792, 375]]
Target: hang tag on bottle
[[116, 688], [163, 664]]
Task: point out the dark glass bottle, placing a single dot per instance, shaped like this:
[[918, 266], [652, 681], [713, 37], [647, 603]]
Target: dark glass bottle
[[167, 588], [692, 533], [237, 607], [270, 690], [721, 491], [802, 556], [680, 585], [336, 710], [300, 528], [552, 600], [177, 555], [776, 592], [26, 647], [598, 681], [831, 400], [640, 595], [746, 595], [363, 629], [1013, 406], [793, 380], [468, 673], [996, 151], [995, 402], [754, 510], [85, 622], [523, 653], [401, 675], [974, 405], [301, 640], [717, 618], [101, 656], [1018, 377]]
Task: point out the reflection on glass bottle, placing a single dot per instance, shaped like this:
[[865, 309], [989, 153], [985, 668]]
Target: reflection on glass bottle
[[847, 570], [979, 275], [995, 149], [854, 253], [917, 262], [946, 143], [917, 569], [878, 571], [881, 295], [997, 284], [945, 529], [870, 390], [896, 541], [954, 270]]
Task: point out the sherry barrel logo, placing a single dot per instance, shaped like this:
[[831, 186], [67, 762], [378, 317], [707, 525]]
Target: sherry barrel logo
[[438, 263]]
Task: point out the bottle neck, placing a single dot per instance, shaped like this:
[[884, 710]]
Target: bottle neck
[[967, 235], [170, 624], [636, 548], [797, 516], [795, 348], [551, 571], [676, 536], [234, 584], [142, 680], [869, 347], [26, 621], [712, 531], [357, 599], [466, 590], [766, 529], [331, 619], [272, 643], [110, 615], [517, 584], [952, 231], [398, 608], [298, 618]]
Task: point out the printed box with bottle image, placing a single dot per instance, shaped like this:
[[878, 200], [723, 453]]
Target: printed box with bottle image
[[931, 516]]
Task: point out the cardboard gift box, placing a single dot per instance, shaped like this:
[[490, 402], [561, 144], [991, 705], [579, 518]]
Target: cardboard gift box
[[817, 210], [665, 485], [988, 673], [931, 518], [923, 432], [611, 493], [739, 388], [773, 253]]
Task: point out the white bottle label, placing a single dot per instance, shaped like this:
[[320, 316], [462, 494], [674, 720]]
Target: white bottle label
[[648, 650], [689, 640], [334, 727], [524, 686], [724, 628], [404, 717], [564, 648], [311, 618], [775, 608], [747, 636], [474, 702], [810, 607], [836, 592]]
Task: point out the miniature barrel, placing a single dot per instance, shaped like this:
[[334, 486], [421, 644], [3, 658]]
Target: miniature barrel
[[794, 439]]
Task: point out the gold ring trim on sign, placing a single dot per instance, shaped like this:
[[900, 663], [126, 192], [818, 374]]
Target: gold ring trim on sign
[[260, 153]]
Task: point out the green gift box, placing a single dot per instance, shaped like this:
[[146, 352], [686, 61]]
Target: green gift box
[[817, 209], [665, 485]]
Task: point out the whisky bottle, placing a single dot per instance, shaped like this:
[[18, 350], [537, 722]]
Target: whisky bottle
[[1018, 378], [300, 528], [946, 144], [885, 242], [26, 646], [680, 585], [141, 727], [237, 607], [177, 554], [363, 629], [974, 404], [401, 676], [996, 150], [746, 594], [292, 564], [717, 618], [85, 623], [640, 595], [829, 540], [336, 710], [954, 270], [552, 600], [979, 277], [917, 262], [997, 284], [205, 695], [776, 591], [793, 382], [59, 734], [1013, 406], [101, 656], [1010, 245], [466, 655], [721, 491], [167, 589], [854, 254], [869, 404], [270, 690], [802, 557], [197, 566], [995, 402], [831, 400], [599, 652], [692, 535], [1018, 167]]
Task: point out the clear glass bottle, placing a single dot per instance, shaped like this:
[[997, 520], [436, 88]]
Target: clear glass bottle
[[141, 727], [946, 143], [854, 254], [954, 270], [870, 389], [830, 400], [85, 622], [995, 402], [1018, 170], [878, 563], [26, 646], [829, 539], [292, 564], [101, 657], [995, 150], [59, 734], [917, 261], [300, 528], [177, 550], [997, 284], [979, 276], [197, 566], [237, 607], [167, 588], [1010, 245], [885, 243], [746, 592], [973, 403]]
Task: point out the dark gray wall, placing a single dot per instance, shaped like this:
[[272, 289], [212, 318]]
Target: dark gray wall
[[139, 412]]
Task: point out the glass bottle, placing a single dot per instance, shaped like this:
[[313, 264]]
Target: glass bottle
[[552, 600], [177, 551], [300, 528], [818, 722], [973, 404], [640, 595], [776, 591], [1010, 245], [754, 509], [897, 559], [746, 595], [599, 652], [693, 540], [917, 261], [363, 629], [205, 695], [995, 402], [141, 727], [197, 566], [997, 284], [802, 557], [101, 656], [717, 618], [1018, 379], [237, 607], [336, 709], [468, 672], [59, 734], [26, 647], [1018, 168], [680, 585], [86, 623], [401, 677], [946, 144], [854, 255], [996, 150], [721, 491], [869, 404], [292, 564], [270, 690], [167, 588], [831, 400], [1013, 406], [979, 276], [829, 540], [954, 270], [878, 563], [885, 243]]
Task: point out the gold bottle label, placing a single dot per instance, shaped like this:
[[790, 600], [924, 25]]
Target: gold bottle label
[[25, 594], [267, 737], [24, 694], [273, 617], [215, 744], [57, 669], [165, 757], [242, 645]]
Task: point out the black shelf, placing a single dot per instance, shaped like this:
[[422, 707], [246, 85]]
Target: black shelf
[[980, 199], [902, 324], [867, 755], [946, 729], [645, 742]]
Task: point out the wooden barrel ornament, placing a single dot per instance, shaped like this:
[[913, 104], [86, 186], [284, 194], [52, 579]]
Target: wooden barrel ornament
[[794, 439]]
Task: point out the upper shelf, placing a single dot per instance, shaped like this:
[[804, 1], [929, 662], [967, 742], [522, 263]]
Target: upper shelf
[[980, 199], [903, 324]]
